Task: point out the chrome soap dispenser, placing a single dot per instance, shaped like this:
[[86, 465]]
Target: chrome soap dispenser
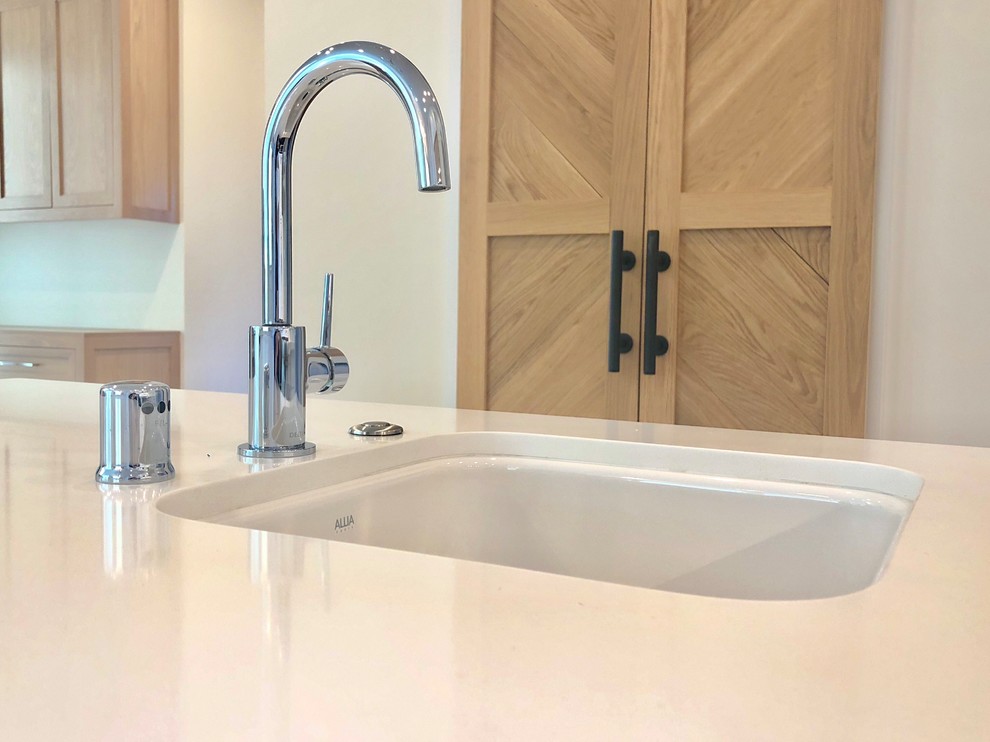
[[135, 430]]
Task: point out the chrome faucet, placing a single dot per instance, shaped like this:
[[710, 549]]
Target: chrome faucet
[[281, 367]]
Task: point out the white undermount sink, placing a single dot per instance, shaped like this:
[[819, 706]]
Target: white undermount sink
[[707, 522]]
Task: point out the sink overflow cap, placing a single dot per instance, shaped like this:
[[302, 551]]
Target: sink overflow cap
[[376, 428]]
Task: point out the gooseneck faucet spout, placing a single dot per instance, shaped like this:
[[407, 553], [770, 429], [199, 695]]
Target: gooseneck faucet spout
[[333, 63], [281, 366]]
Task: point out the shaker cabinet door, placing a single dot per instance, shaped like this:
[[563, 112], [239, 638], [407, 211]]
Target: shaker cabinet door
[[83, 95], [90, 110], [553, 170], [25, 123]]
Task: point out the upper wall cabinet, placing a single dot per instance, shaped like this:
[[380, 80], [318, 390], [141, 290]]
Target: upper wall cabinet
[[89, 120], [666, 210]]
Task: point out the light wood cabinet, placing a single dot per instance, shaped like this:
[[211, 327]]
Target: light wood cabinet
[[740, 136], [90, 109], [98, 356], [25, 55]]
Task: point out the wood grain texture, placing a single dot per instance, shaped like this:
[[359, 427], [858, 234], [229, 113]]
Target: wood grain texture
[[133, 355], [558, 217], [800, 208], [97, 356], [752, 323], [759, 148], [528, 167], [547, 72], [665, 148], [472, 307], [53, 364], [851, 257], [630, 94], [554, 117], [812, 245], [25, 84], [83, 97], [549, 298], [149, 109], [759, 95]]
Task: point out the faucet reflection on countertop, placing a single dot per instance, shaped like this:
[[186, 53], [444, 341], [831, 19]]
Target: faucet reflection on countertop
[[136, 538]]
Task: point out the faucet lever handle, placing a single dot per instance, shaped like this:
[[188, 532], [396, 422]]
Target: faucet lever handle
[[326, 326], [327, 368]]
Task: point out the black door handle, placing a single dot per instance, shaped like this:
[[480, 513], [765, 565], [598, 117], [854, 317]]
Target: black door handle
[[618, 341], [657, 261]]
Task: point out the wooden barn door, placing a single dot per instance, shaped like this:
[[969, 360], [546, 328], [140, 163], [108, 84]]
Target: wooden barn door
[[760, 186]]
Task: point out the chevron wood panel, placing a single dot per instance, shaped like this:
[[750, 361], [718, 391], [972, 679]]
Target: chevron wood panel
[[547, 325], [811, 244], [552, 89], [752, 320], [759, 104], [526, 166], [596, 19]]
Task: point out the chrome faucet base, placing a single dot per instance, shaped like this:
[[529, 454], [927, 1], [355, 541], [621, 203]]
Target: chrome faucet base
[[247, 451], [277, 387]]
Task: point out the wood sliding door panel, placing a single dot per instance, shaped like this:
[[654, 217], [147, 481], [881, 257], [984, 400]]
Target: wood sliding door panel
[[25, 82], [751, 330], [553, 161], [761, 141]]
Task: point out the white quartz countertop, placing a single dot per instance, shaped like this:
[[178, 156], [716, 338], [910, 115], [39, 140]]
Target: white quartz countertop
[[119, 622]]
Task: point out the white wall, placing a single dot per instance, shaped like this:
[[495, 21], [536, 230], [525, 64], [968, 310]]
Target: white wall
[[930, 373], [125, 274], [357, 212], [222, 128]]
